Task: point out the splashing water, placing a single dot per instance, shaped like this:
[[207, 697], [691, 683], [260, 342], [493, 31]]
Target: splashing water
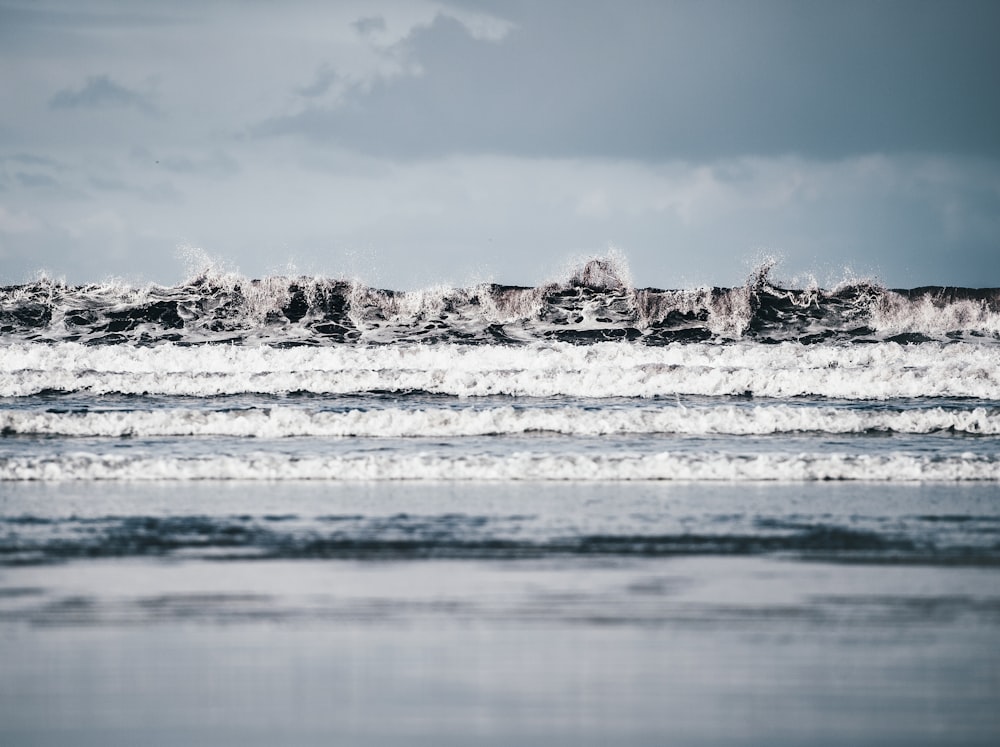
[[596, 301]]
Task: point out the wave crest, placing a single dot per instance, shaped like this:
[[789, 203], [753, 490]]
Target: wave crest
[[595, 302]]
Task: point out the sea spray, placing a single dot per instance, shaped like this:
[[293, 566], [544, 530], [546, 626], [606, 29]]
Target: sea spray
[[594, 302]]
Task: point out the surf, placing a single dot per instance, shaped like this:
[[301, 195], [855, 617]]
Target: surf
[[595, 302]]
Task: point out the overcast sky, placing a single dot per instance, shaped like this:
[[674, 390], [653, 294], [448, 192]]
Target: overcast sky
[[415, 143]]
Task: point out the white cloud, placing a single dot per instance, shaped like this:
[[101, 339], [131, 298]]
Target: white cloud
[[481, 26]]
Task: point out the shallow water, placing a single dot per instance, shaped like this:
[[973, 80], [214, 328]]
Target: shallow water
[[418, 627]]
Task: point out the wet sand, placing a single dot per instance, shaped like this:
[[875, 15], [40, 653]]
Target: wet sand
[[768, 649]]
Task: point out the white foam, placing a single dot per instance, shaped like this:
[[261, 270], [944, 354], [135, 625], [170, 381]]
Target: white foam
[[895, 314], [448, 422], [864, 372], [81, 466]]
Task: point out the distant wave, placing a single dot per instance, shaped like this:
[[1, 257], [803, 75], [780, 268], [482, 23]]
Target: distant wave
[[595, 303]]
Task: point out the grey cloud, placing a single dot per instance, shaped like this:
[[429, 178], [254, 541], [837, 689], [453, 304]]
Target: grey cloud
[[370, 25], [661, 80], [40, 28], [163, 192], [34, 180], [681, 90], [325, 79], [160, 193], [216, 165], [101, 91], [108, 184], [140, 154], [31, 159], [113, 15]]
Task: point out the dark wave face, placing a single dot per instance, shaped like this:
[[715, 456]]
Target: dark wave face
[[596, 303]]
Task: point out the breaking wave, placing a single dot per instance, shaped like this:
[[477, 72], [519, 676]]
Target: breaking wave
[[861, 372], [213, 379], [535, 466], [450, 422], [595, 303]]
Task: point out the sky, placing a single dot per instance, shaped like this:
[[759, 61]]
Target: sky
[[410, 144]]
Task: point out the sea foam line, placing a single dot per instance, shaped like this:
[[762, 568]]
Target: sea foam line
[[394, 422], [665, 466], [868, 372]]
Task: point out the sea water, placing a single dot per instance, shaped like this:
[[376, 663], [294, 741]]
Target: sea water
[[305, 511]]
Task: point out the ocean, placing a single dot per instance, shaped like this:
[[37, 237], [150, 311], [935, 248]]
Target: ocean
[[307, 511]]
